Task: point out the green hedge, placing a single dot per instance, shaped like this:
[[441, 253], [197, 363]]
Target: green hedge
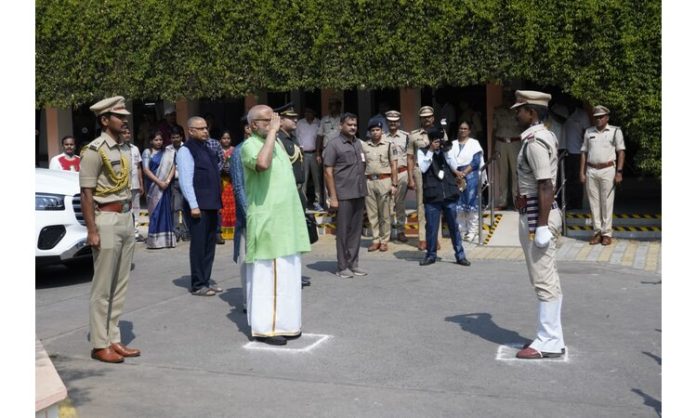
[[605, 51]]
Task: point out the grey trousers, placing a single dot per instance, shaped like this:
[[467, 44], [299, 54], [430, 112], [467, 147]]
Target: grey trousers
[[348, 229]]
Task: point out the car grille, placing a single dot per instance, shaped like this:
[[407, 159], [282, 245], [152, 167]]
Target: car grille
[[77, 208]]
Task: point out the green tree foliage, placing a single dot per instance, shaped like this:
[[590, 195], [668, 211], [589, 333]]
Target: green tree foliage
[[606, 52]]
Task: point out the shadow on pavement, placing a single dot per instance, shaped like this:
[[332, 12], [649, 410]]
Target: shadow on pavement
[[482, 325], [650, 401], [323, 266], [415, 255], [127, 335], [234, 298], [78, 396], [67, 274], [183, 281]]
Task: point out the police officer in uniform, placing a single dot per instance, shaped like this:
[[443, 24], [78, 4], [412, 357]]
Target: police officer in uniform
[[380, 169], [540, 220], [105, 197], [600, 147], [418, 140], [286, 135], [399, 140]]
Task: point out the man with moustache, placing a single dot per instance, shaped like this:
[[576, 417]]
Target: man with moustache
[[105, 198], [67, 160], [400, 141], [344, 174], [286, 135], [276, 233]]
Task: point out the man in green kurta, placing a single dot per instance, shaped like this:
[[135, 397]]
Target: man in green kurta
[[276, 233]]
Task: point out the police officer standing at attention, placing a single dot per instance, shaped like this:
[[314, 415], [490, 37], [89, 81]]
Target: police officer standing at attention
[[382, 178], [105, 197], [399, 140], [540, 220], [600, 147], [418, 140]]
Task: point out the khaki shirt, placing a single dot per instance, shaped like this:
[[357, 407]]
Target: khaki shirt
[[601, 147], [537, 160], [400, 142], [93, 174], [329, 128], [378, 157], [504, 123], [418, 139]]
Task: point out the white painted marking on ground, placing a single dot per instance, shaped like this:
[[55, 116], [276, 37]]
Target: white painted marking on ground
[[508, 352], [304, 344]]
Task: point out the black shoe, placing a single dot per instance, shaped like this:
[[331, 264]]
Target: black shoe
[[427, 261], [306, 282], [293, 337], [276, 340], [220, 241], [464, 262]]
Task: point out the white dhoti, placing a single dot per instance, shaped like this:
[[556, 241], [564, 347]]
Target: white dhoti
[[274, 296]]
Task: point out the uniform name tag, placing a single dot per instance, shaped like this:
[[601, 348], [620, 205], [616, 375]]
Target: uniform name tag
[[362, 155]]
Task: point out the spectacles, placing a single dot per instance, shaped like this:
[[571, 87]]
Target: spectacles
[[262, 120], [199, 128]]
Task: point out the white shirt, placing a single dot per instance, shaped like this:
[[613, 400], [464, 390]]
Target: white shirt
[[135, 160], [425, 159], [307, 134]]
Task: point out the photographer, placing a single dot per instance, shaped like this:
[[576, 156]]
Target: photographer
[[440, 194]]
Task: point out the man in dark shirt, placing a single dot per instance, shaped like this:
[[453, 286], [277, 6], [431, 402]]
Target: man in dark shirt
[[344, 174]]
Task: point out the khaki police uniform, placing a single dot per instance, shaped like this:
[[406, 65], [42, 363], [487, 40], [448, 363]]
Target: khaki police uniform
[[400, 142], [538, 160], [378, 158], [105, 168], [419, 139], [507, 141], [601, 149]]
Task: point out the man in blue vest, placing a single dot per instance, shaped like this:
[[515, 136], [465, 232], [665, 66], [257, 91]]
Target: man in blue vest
[[440, 194], [199, 178]]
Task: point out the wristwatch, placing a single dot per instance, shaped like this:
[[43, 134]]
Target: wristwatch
[[620, 170]]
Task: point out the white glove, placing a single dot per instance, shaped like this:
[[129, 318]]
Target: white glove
[[542, 236]]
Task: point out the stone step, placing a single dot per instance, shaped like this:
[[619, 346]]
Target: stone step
[[620, 219], [623, 232]]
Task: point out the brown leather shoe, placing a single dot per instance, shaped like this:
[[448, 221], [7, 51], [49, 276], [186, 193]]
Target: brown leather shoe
[[401, 237], [596, 239], [383, 246], [373, 247], [125, 351], [422, 245], [107, 355], [606, 240]]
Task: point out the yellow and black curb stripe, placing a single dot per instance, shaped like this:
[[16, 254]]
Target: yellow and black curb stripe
[[587, 215], [490, 230], [618, 228]]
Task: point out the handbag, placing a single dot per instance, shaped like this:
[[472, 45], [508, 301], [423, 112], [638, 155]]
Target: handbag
[[312, 228]]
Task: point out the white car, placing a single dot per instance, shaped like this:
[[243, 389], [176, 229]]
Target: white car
[[61, 234]]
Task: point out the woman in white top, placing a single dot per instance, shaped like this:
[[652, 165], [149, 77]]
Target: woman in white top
[[469, 156]]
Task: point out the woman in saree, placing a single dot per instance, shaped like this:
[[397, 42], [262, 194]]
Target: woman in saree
[[158, 167], [469, 156], [227, 213]]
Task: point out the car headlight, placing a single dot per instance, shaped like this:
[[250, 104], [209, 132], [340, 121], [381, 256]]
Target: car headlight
[[48, 201]]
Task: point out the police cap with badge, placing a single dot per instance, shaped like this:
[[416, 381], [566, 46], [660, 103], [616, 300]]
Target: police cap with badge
[[286, 111], [115, 105], [531, 97], [393, 115], [374, 123]]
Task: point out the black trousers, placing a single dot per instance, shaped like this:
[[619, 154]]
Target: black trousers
[[349, 221], [202, 246]]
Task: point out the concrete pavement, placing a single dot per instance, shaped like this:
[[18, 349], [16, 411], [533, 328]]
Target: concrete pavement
[[404, 341]]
